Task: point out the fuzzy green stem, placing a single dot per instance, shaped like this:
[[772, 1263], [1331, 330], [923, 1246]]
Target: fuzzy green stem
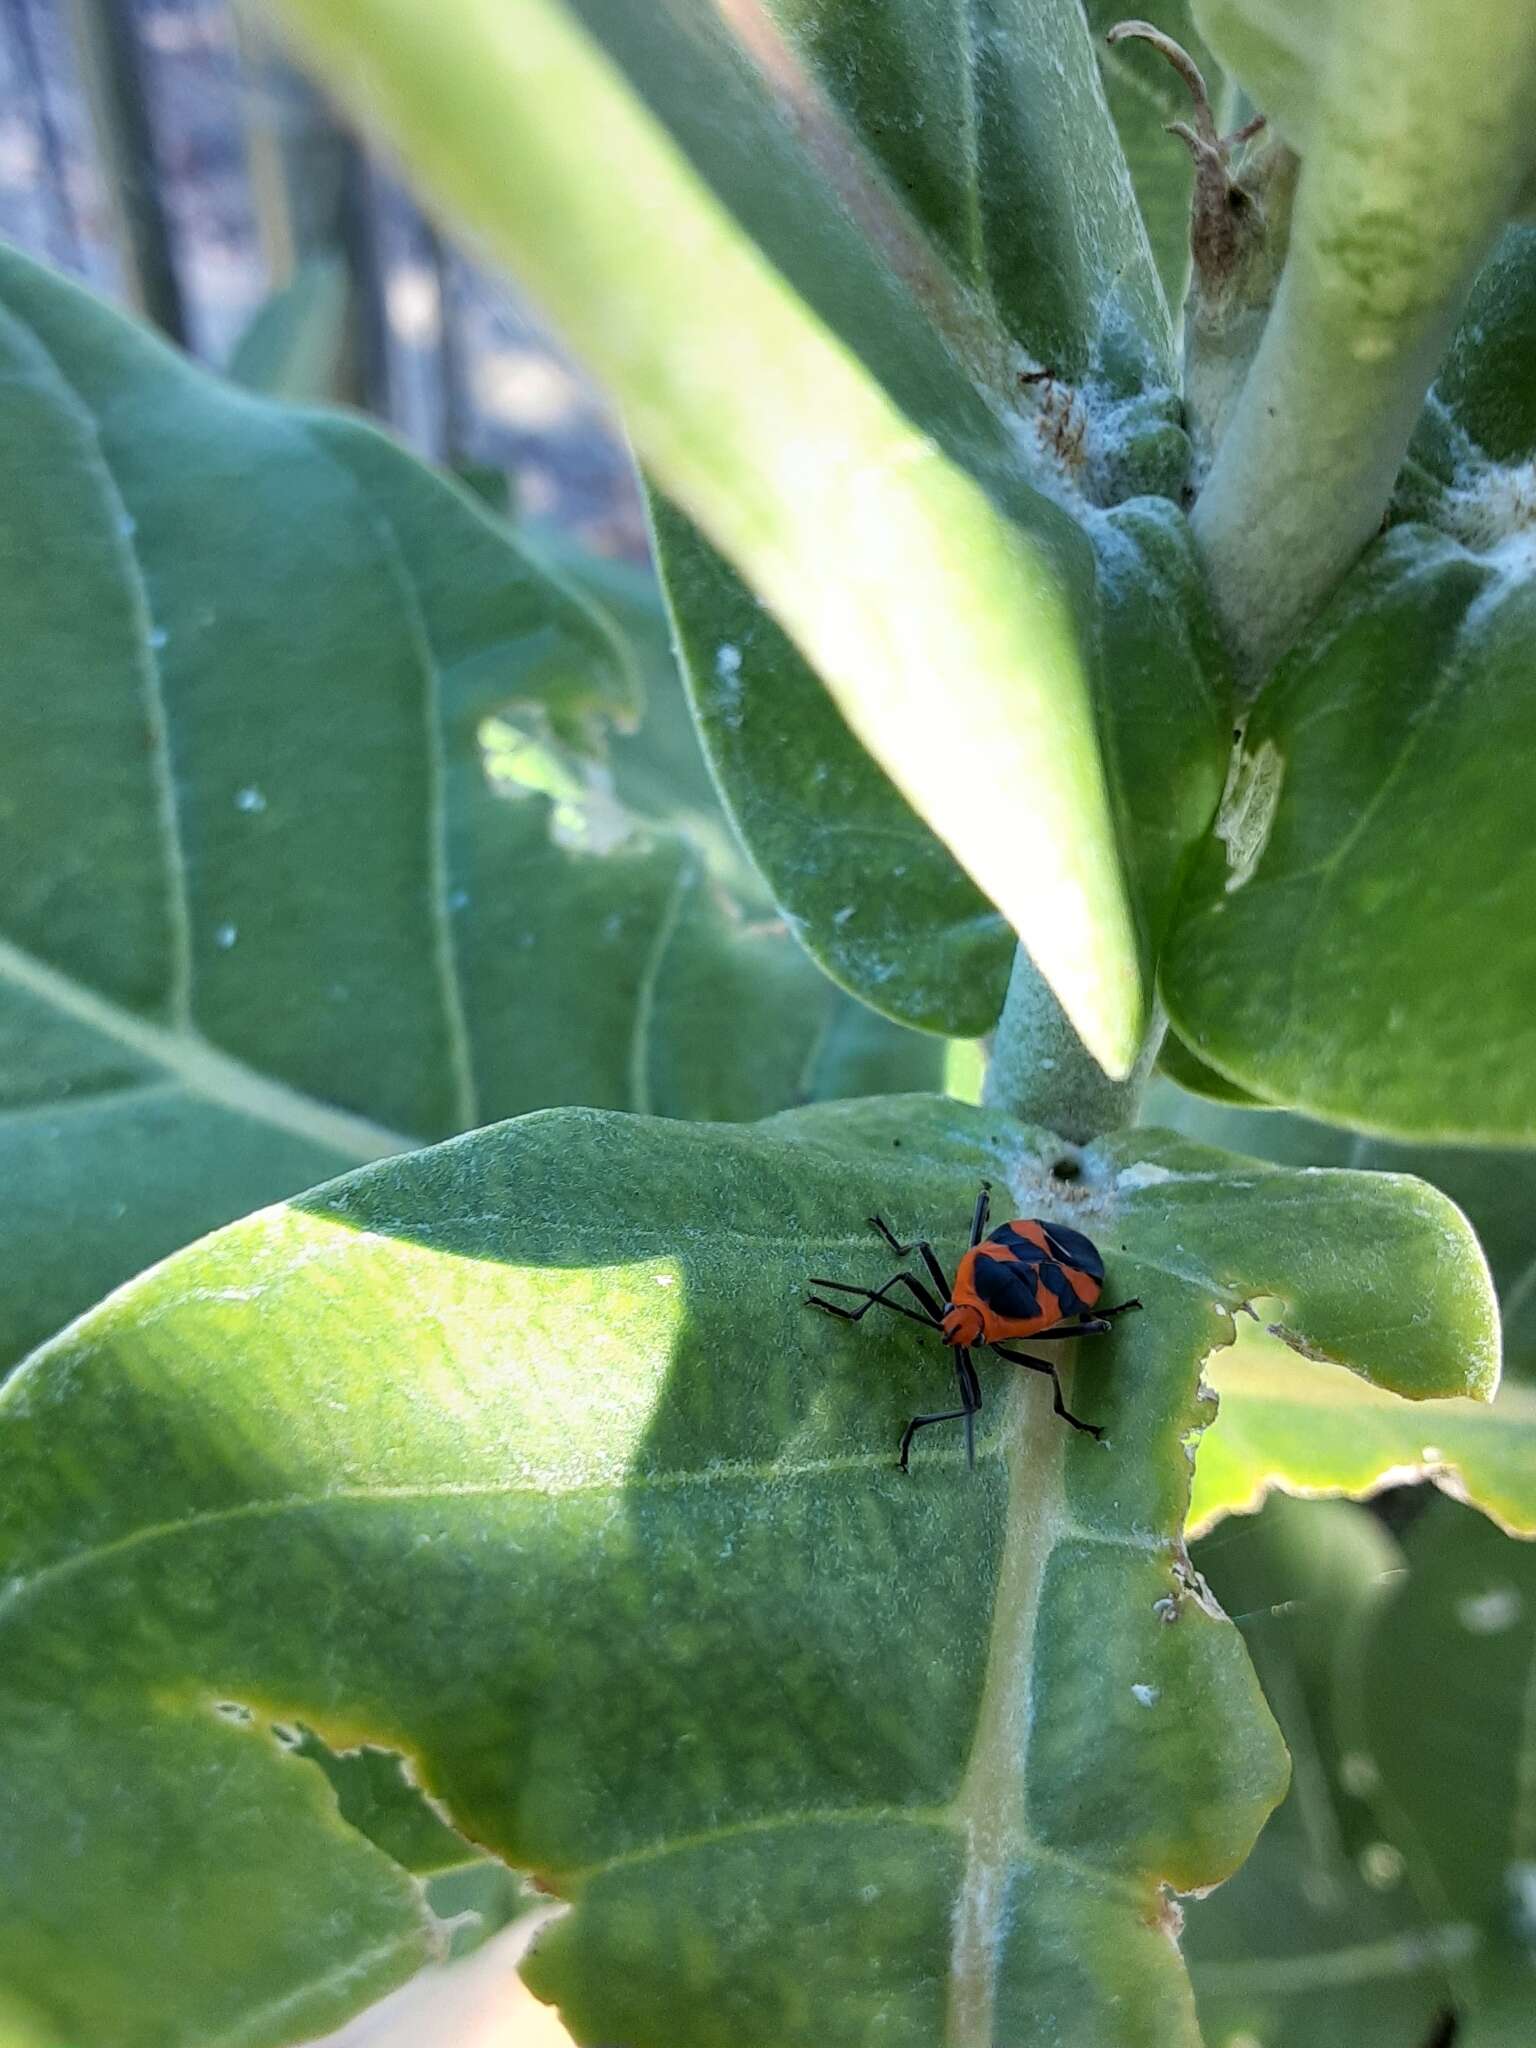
[[1423, 132], [1040, 1069]]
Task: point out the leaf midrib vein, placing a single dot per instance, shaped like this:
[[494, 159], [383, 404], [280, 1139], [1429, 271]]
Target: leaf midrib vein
[[202, 1068]]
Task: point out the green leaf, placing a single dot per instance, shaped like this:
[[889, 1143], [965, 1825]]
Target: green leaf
[[1178, 1064], [993, 129], [264, 914], [1315, 1940], [878, 899], [296, 342], [522, 1457], [807, 379], [1367, 891], [870, 890], [1290, 1422], [1486, 382], [1434, 1707]]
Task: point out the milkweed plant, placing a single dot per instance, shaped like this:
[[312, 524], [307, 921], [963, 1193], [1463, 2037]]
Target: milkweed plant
[[1090, 469]]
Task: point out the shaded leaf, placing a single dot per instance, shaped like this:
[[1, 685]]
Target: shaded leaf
[[879, 900], [992, 126], [295, 345], [1486, 382], [263, 914], [1179, 1064], [1434, 1708], [1314, 1940], [523, 1458], [797, 362], [873, 894], [1373, 808]]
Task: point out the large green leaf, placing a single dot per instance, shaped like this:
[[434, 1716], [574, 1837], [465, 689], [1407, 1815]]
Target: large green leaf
[[1317, 1941], [1434, 1709], [522, 1456], [1367, 895], [807, 378], [1299, 1424], [263, 916]]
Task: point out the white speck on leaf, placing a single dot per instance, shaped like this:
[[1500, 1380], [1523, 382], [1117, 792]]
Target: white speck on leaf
[[727, 660], [1145, 1695], [1490, 1613], [1358, 1773], [250, 799], [158, 637], [842, 916], [226, 936], [1521, 1880], [1382, 1866], [1145, 1173]]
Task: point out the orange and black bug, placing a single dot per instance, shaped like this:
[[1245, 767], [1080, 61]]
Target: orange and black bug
[[1024, 1279]]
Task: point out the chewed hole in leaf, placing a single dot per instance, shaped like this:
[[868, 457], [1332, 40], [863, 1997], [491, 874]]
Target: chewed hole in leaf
[[524, 758]]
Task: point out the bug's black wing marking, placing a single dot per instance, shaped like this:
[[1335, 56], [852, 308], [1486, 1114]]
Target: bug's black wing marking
[[1007, 1286], [1054, 1281], [1073, 1249]]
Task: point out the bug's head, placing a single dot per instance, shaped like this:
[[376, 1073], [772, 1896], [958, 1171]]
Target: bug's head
[[962, 1326]]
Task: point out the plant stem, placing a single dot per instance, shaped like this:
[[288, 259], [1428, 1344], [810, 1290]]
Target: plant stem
[[1422, 135], [1040, 1069]]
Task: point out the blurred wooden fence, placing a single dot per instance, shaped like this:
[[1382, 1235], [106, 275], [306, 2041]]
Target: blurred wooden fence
[[166, 152]]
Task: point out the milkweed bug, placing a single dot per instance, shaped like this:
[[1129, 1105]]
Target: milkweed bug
[[1024, 1279]]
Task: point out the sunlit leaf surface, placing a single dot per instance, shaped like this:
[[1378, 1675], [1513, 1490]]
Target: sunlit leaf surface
[[523, 1457]]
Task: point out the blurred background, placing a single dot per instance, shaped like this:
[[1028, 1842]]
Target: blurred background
[[165, 153]]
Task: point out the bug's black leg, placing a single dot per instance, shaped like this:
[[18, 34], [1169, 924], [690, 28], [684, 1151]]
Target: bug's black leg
[[983, 1210], [1043, 1365], [1085, 1326], [931, 1320], [919, 1245], [926, 1422], [970, 1395]]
